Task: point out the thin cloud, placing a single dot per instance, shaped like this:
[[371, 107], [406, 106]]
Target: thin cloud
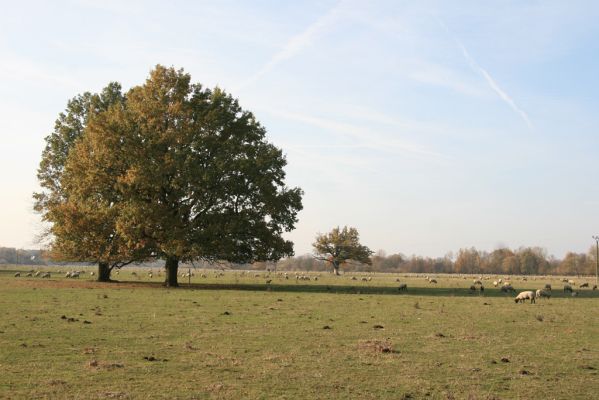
[[368, 139], [297, 43], [500, 92]]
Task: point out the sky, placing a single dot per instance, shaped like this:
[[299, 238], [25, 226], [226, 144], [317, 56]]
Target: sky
[[429, 126]]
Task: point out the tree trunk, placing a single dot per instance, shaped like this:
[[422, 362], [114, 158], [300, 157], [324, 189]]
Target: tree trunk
[[104, 272], [172, 267], [336, 269]]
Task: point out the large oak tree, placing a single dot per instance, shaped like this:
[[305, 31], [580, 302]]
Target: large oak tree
[[82, 222], [186, 174]]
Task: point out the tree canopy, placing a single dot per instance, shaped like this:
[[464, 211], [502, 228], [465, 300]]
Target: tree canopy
[[341, 246], [182, 173]]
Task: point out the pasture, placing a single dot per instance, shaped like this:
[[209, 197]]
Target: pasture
[[234, 336]]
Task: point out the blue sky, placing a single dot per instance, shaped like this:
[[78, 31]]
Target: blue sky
[[428, 125]]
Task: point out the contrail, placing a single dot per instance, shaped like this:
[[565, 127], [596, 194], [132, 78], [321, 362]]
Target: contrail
[[297, 43], [500, 92], [477, 68]]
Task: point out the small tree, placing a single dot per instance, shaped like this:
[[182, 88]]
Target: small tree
[[341, 246]]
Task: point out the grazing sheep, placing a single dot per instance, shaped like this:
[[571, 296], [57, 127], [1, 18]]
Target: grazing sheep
[[500, 281], [353, 278], [548, 286], [473, 288], [46, 275], [150, 275], [403, 286], [586, 284], [507, 288], [38, 273], [482, 288], [17, 274], [571, 282], [567, 288], [594, 287], [133, 273], [92, 273], [495, 283], [527, 295], [542, 293], [29, 274], [564, 280], [432, 280], [477, 282]]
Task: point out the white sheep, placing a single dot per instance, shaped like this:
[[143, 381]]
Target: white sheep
[[495, 283], [432, 280], [477, 282], [92, 273], [46, 275], [17, 274], [542, 293], [403, 286], [527, 295]]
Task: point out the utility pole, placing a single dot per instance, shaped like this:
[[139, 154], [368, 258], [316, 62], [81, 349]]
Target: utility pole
[[596, 260]]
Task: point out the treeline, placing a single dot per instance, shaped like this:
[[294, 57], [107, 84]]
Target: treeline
[[523, 261], [10, 255]]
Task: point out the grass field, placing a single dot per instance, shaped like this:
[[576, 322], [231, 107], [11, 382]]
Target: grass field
[[237, 337]]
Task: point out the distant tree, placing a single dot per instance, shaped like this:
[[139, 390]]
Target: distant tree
[[341, 246], [191, 175], [467, 261]]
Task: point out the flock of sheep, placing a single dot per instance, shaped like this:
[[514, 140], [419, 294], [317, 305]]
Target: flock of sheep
[[477, 284]]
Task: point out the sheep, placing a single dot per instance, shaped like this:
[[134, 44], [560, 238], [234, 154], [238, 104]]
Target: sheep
[[17, 274], [548, 286], [403, 286], [571, 282], [472, 288], [29, 274], [133, 273], [46, 275], [477, 282], [495, 283], [574, 294], [150, 275], [523, 296], [92, 273], [353, 278], [586, 284], [75, 274], [542, 293], [500, 280], [594, 287], [567, 288], [432, 280], [38, 273], [507, 288]]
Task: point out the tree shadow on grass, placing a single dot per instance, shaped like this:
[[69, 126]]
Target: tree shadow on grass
[[376, 290]]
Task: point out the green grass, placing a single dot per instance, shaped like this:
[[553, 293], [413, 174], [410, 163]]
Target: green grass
[[236, 337]]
